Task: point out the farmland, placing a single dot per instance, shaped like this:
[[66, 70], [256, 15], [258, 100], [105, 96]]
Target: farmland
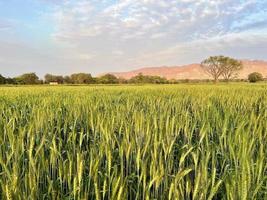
[[134, 142]]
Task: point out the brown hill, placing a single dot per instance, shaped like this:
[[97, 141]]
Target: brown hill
[[193, 71]]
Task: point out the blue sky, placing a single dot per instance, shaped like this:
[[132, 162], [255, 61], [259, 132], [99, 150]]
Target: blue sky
[[96, 36]]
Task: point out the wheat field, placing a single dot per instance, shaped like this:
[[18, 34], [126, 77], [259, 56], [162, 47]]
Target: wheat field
[[134, 142]]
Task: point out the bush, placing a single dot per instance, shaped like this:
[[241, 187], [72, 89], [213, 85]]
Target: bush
[[108, 79], [255, 77], [140, 78]]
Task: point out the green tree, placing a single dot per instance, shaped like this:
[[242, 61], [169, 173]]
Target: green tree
[[140, 78], [11, 81], [2, 79], [82, 78], [122, 80], [217, 66], [29, 79], [108, 79], [157, 79], [231, 68], [67, 80], [53, 78], [255, 77]]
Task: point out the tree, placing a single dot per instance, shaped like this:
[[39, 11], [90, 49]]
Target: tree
[[140, 78], [53, 78], [254, 77], [82, 78], [29, 79], [2, 79], [11, 81], [108, 79], [67, 80], [122, 80], [49, 78], [230, 68], [214, 66], [157, 79], [217, 66]]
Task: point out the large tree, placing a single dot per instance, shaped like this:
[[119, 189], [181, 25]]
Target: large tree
[[108, 79], [29, 79], [231, 68], [82, 78], [214, 66], [217, 66]]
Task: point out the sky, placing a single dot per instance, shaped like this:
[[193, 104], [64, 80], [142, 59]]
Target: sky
[[98, 36]]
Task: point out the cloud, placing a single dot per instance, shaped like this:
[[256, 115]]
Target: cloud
[[243, 45], [139, 19], [111, 35], [135, 22]]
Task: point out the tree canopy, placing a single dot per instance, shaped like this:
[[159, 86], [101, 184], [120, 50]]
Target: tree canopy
[[2, 79], [108, 79], [140, 78], [218, 66], [53, 78], [231, 68], [255, 77], [28, 78], [81, 78]]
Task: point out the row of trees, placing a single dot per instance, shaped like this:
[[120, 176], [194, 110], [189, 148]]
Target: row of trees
[[28, 79], [83, 78], [216, 66], [4, 80], [80, 78]]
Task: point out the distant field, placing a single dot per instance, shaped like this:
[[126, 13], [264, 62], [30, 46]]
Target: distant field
[[134, 142]]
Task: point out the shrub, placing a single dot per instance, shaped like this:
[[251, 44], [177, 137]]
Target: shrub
[[255, 77]]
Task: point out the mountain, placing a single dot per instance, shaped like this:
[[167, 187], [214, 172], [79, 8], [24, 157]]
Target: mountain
[[193, 71]]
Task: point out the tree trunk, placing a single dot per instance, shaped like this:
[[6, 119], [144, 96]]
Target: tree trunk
[[215, 80]]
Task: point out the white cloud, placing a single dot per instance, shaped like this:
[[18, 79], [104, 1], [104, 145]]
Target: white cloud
[[106, 35], [85, 57], [139, 19], [155, 31]]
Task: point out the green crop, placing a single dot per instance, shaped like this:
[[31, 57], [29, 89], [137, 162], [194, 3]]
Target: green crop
[[134, 142]]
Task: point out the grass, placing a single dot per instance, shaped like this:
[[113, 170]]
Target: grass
[[134, 142]]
